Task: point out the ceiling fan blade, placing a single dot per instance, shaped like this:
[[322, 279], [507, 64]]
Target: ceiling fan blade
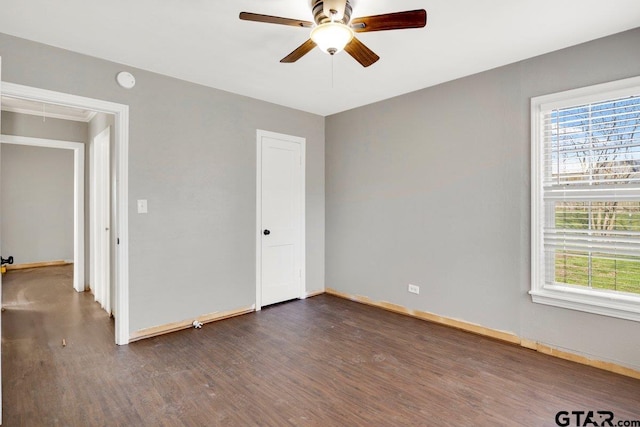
[[390, 21], [361, 53], [301, 51], [256, 17]]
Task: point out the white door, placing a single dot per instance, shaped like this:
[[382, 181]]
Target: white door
[[280, 269], [100, 220]]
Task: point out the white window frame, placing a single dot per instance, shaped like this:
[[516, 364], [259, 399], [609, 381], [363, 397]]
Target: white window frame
[[608, 303]]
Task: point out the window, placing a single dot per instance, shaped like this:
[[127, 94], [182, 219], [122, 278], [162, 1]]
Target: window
[[585, 199]]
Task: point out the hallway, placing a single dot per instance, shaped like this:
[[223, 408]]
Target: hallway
[[40, 376]]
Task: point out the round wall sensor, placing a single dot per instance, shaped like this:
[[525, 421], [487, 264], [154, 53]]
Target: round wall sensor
[[126, 79]]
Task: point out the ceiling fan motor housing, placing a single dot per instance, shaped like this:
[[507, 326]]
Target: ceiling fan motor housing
[[320, 17]]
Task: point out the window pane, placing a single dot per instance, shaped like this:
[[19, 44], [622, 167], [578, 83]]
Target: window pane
[[596, 272], [598, 216], [594, 144], [572, 268], [606, 231]]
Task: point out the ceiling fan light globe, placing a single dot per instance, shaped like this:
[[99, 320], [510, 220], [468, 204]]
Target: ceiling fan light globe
[[331, 37]]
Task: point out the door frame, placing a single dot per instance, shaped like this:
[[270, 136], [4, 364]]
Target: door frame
[[121, 115], [78, 196], [260, 134]]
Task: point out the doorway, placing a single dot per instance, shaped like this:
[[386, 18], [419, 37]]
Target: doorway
[[280, 218], [78, 196], [120, 199]]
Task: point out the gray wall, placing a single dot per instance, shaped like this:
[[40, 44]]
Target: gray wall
[[433, 188], [37, 203], [192, 155], [34, 127], [37, 190]]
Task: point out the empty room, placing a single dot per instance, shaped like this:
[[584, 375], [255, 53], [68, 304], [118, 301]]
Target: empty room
[[449, 234]]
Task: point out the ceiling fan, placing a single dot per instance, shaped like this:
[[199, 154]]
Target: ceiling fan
[[334, 30]]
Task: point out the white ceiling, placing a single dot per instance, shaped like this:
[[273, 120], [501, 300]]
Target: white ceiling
[[203, 41]]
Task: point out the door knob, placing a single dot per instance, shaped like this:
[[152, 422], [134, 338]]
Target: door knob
[[266, 232]]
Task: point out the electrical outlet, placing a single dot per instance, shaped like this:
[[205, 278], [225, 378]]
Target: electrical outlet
[[414, 289]]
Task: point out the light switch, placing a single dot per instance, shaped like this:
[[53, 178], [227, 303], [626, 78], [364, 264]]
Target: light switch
[[142, 206]]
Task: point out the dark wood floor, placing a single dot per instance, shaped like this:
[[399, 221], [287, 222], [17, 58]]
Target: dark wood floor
[[323, 361]]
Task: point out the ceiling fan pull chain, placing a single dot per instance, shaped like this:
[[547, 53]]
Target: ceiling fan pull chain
[[332, 56]]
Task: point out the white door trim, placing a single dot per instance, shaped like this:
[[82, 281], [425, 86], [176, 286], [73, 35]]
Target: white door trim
[[78, 196], [121, 113], [302, 141]]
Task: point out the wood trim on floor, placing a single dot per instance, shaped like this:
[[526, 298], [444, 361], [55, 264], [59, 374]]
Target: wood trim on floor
[[491, 333], [600, 364], [36, 265], [314, 293], [185, 324]]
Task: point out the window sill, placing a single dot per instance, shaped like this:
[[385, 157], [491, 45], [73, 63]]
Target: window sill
[[597, 302]]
